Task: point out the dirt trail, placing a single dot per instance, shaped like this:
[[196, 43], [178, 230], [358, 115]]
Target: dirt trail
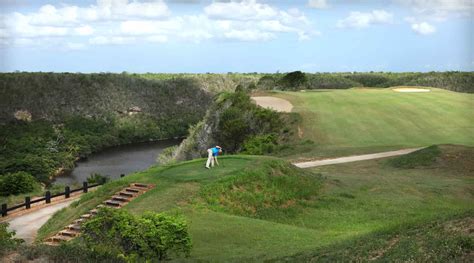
[[273, 103], [354, 158]]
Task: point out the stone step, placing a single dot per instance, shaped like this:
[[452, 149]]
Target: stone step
[[139, 185], [100, 206], [74, 227], [79, 221], [111, 203], [68, 233], [133, 190], [86, 216], [120, 198], [127, 194], [59, 238], [94, 212]]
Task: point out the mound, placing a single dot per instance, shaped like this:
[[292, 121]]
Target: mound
[[454, 157], [273, 189]]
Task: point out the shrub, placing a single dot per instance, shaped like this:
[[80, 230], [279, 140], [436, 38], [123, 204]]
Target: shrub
[[151, 236], [23, 115], [294, 81], [167, 155], [96, 178], [261, 144], [7, 240], [17, 183]]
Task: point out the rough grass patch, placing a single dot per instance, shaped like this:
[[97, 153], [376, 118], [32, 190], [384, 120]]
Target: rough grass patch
[[423, 157], [272, 189]]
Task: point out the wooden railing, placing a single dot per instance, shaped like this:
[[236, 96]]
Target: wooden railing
[[47, 198]]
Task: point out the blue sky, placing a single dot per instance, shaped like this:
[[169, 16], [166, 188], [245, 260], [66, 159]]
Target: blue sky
[[236, 36]]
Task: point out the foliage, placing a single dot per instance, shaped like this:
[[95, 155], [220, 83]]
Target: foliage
[[167, 155], [451, 80], [151, 236], [41, 147], [67, 252], [273, 188], [423, 157], [293, 81], [261, 144], [7, 240], [17, 183], [242, 119], [96, 178]]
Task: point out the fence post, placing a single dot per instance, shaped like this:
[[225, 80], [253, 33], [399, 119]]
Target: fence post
[[27, 202], [48, 197], [67, 191], [122, 175], [4, 209], [84, 186]]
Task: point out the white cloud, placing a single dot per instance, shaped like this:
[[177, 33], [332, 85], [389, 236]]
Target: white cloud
[[423, 28], [121, 22], [361, 20], [249, 35], [84, 30], [245, 10], [319, 4], [111, 40], [439, 9]]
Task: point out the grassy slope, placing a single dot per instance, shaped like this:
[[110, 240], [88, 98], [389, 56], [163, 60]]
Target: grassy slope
[[343, 122], [359, 199]]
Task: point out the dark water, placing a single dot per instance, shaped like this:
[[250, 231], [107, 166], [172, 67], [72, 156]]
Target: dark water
[[118, 160]]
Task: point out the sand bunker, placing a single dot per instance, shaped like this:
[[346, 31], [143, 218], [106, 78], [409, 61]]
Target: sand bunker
[[411, 90], [273, 103]]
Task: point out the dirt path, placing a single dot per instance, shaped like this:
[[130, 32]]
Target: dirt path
[[273, 103], [354, 158], [27, 225]]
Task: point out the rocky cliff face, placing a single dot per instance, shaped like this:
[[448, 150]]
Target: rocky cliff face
[[202, 136]]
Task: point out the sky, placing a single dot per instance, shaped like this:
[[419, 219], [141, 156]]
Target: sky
[[198, 36]]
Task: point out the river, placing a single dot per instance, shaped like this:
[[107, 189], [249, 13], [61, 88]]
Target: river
[[114, 161]]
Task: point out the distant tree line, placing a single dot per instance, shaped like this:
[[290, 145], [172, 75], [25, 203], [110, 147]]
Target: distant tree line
[[452, 80]]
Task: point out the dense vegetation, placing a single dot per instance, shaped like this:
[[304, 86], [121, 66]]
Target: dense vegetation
[[237, 124], [41, 147], [455, 81], [150, 236], [7, 239], [17, 183]]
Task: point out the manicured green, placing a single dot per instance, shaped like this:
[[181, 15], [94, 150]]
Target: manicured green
[[356, 203], [344, 122]]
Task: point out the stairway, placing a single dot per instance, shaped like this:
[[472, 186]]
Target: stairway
[[118, 200]]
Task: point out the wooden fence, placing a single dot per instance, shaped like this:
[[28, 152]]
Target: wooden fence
[[47, 198]]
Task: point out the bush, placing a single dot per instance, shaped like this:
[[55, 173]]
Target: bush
[[17, 183], [294, 81], [261, 144], [96, 178], [151, 236], [7, 240], [167, 155]]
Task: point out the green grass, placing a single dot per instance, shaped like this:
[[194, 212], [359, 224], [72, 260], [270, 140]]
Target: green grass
[[353, 121], [359, 203]]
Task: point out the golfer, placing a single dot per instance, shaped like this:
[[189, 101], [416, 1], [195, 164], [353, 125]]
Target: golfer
[[212, 156]]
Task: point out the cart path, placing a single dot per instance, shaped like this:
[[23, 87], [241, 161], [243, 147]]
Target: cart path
[[26, 226], [355, 158]]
